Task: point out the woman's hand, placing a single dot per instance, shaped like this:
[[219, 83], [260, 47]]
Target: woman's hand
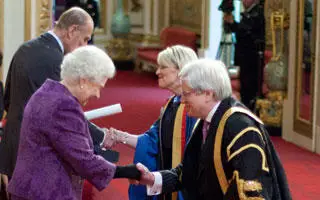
[[119, 136], [109, 140]]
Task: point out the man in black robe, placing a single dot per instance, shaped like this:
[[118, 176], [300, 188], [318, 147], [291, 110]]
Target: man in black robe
[[33, 63], [229, 155], [249, 49]]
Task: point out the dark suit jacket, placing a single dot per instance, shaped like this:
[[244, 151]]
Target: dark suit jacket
[[244, 157], [34, 62]]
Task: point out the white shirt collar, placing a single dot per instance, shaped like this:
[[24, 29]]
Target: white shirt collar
[[58, 40], [211, 113]]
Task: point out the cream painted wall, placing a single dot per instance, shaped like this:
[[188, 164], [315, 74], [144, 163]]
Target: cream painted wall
[[13, 30], [316, 116], [33, 18], [215, 29]]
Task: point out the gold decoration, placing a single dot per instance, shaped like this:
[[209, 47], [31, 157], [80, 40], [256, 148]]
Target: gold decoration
[[279, 21], [27, 20], [269, 7], [150, 40], [270, 109], [244, 131], [263, 155], [218, 144], [187, 14], [44, 22], [119, 49], [245, 186], [136, 37]]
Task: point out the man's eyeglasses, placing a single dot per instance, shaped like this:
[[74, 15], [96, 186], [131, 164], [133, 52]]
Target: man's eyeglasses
[[188, 93]]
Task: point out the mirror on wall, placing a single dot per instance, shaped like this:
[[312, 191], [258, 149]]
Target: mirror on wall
[[305, 64], [96, 8]]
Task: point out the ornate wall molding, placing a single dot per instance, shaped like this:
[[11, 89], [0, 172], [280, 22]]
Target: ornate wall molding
[[269, 7], [44, 15], [27, 20], [205, 24], [187, 14]]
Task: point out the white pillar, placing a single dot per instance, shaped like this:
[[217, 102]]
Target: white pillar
[[155, 17], [13, 31], [147, 17], [110, 9], [33, 19], [167, 13], [214, 29]]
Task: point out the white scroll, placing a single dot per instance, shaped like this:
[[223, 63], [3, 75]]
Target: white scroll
[[102, 112]]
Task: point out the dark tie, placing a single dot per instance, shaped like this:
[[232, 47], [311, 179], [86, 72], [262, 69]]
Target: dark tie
[[205, 128]]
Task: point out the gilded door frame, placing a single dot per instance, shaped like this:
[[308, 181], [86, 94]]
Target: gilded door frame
[[300, 125]]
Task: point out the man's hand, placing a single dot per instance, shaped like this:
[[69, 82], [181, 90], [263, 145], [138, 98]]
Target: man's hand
[[228, 18], [146, 178], [128, 171]]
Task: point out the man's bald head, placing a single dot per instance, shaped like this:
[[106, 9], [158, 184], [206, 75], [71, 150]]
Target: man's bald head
[[73, 16], [74, 28]]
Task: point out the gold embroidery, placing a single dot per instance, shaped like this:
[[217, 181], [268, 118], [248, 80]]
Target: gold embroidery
[[247, 186], [217, 152], [241, 134], [247, 112], [264, 162], [218, 143], [251, 186]]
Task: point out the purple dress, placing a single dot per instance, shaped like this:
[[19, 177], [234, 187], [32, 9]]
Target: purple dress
[[56, 151]]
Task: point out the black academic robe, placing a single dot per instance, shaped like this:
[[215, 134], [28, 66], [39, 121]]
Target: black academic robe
[[34, 62], [236, 161]]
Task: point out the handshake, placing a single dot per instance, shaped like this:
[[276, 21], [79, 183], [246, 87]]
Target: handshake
[[113, 137], [138, 174]]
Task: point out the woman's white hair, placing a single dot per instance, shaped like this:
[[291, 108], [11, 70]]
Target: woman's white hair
[[176, 56], [206, 74], [87, 62]]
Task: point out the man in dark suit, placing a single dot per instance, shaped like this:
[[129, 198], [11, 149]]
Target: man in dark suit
[[33, 63], [249, 49], [229, 155]]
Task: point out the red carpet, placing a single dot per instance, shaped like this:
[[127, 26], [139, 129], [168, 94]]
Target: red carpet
[[141, 101]]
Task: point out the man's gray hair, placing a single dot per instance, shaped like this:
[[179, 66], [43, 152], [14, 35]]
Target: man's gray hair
[[73, 16], [176, 56], [87, 62], [206, 74]]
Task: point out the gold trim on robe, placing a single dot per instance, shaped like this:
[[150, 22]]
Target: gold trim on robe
[[218, 144]]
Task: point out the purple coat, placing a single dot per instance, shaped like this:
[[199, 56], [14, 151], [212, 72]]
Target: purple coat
[[56, 151]]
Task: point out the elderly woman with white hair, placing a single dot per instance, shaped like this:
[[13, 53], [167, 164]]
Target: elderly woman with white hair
[[162, 146], [55, 150]]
